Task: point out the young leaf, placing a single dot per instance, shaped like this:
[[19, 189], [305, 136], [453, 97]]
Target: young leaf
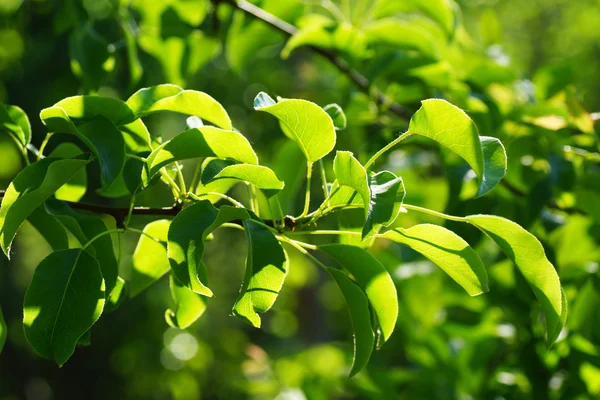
[[494, 163], [65, 298], [189, 305], [528, 254], [358, 306], [150, 261], [266, 268], [15, 120], [206, 141], [350, 172], [173, 98], [32, 186], [187, 234], [449, 251], [3, 331], [75, 189], [452, 128], [387, 194], [302, 121], [99, 134], [261, 177], [50, 228], [373, 278], [90, 107]]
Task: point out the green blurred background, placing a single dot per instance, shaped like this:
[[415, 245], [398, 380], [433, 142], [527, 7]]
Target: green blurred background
[[447, 345]]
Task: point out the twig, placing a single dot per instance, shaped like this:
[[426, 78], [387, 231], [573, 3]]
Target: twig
[[342, 65]]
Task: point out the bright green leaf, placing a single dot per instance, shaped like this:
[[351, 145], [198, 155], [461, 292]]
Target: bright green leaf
[[150, 261], [189, 305], [16, 121], [387, 193], [75, 189], [302, 121], [65, 298], [173, 98], [528, 254], [373, 278], [358, 306], [494, 163], [449, 251], [266, 268], [34, 184], [262, 178]]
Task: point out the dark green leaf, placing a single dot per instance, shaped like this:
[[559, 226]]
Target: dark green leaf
[[65, 298], [266, 268], [75, 189], [50, 228], [34, 184], [358, 306]]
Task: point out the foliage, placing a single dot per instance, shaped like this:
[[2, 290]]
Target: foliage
[[511, 164]]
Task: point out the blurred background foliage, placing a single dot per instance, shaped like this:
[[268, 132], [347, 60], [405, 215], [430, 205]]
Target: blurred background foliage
[[526, 72]]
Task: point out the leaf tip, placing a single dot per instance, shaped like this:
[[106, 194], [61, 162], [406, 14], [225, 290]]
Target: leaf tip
[[263, 100]]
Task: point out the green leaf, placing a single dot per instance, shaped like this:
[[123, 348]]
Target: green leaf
[[189, 305], [387, 194], [187, 234], [15, 120], [358, 306], [99, 134], [206, 141], [3, 331], [150, 261], [452, 128], [50, 228], [216, 186], [32, 186], [373, 278], [449, 251], [80, 108], [266, 268], [85, 226], [528, 254], [116, 296], [302, 121], [173, 98], [382, 194], [494, 163], [65, 298], [261, 177], [75, 189]]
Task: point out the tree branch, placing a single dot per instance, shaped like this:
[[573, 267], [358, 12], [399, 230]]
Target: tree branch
[[342, 65]]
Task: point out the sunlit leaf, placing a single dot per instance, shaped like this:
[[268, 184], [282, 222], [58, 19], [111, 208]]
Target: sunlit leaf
[[75, 189], [449, 251], [262, 178], [302, 121], [65, 298], [16, 121], [358, 306], [34, 184], [173, 98], [266, 268], [494, 163], [50, 228], [189, 306], [373, 278], [528, 254], [150, 261]]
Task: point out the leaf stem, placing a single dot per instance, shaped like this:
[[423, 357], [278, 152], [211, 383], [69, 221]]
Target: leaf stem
[[196, 176], [434, 213], [323, 179], [386, 148], [322, 232], [182, 189], [98, 236], [136, 157], [309, 166], [43, 145]]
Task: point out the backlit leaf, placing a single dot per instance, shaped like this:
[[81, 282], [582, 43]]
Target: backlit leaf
[[150, 261], [75, 189], [449, 251], [266, 268], [373, 278], [16, 121], [528, 254], [302, 121], [189, 306], [262, 178], [50, 228]]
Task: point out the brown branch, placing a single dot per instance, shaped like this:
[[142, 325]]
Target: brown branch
[[342, 65]]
